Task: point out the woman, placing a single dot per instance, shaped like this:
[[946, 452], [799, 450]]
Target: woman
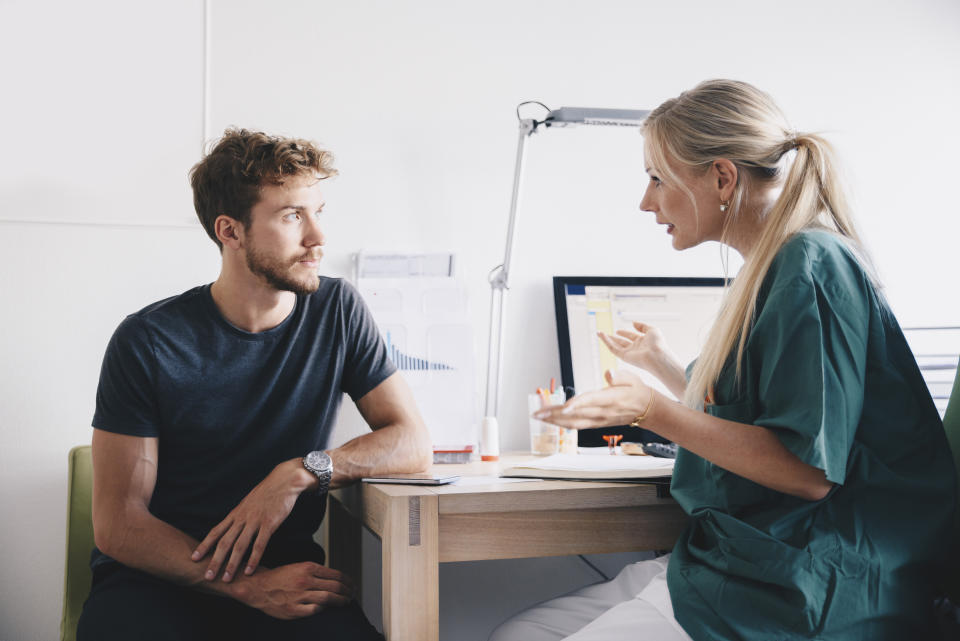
[[812, 461]]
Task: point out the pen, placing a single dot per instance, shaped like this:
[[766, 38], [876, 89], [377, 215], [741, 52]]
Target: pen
[[543, 396]]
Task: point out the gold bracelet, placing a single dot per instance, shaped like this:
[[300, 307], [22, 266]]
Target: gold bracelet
[[636, 422]]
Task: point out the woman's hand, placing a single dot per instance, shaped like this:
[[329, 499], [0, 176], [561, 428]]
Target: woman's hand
[[644, 348], [625, 399], [647, 349]]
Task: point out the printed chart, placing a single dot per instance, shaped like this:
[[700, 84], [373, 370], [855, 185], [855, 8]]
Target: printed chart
[[424, 324]]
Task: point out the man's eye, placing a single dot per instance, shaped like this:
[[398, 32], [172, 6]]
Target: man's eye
[[291, 217]]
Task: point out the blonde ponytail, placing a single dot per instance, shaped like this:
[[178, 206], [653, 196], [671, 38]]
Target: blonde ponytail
[[736, 121]]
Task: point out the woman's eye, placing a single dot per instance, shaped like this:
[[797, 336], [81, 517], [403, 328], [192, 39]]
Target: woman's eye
[[655, 181]]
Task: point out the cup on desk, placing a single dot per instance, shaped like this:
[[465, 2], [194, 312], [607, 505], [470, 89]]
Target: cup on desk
[[568, 441], [545, 439]]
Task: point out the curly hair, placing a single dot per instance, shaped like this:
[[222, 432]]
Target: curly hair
[[229, 178]]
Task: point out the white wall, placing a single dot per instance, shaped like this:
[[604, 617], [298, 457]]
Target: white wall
[[103, 103]]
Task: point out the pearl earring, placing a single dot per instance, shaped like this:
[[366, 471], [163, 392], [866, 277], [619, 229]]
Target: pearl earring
[[724, 205]]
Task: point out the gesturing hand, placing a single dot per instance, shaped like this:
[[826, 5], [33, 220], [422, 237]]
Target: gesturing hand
[[626, 398], [258, 515], [296, 590], [644, 348]]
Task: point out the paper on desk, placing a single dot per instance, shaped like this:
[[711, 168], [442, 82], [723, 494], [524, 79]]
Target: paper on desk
[[487, 480], [580, 463]]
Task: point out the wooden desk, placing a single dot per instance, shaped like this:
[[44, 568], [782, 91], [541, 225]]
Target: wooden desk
[[423, 526]]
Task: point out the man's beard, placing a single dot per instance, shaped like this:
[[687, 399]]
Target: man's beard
[[277, 273]]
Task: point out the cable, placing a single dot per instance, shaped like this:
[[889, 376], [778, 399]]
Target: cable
[[536, 123], [205, 109], [593, 567]]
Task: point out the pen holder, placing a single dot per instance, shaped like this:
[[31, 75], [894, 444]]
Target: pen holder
[[568, 441], [545, 438]]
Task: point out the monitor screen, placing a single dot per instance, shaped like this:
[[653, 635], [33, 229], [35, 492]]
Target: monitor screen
[[683, 309]]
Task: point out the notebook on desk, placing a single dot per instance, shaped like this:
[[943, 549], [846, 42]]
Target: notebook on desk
[[598, 467]]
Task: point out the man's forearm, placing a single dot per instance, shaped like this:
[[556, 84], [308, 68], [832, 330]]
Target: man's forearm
[[391, 449], [142, 541], [286, 592]]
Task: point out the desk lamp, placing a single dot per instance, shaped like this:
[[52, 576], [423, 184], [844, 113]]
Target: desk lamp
[[500, 275]]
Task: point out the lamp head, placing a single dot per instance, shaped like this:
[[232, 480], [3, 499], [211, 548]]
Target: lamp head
[[569, 116]]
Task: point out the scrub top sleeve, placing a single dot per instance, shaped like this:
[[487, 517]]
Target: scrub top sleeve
[[808, 350]]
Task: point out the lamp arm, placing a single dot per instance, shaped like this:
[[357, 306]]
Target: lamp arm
[[499, 283], [500, 276]]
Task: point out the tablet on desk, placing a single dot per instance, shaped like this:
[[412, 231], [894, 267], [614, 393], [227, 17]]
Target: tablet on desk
[[419, 478]]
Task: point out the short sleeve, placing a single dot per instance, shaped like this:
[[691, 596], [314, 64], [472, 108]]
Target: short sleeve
[[366, 363], [807, 350], [126, 398]]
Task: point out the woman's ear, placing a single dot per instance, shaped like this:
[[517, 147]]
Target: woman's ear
[[725, 175]]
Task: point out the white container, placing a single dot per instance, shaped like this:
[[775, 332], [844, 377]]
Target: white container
[[489, 439], [545, 438]]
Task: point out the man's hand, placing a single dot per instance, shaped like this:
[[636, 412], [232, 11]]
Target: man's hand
[[258, 515], [296, 590]]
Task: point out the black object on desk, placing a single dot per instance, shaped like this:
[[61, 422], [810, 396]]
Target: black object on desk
[[663, 450]]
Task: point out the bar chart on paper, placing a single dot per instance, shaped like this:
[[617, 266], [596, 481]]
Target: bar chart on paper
[[427, 334], [410, 363]]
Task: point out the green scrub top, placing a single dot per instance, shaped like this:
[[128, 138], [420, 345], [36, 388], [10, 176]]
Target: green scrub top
[[827, 369]]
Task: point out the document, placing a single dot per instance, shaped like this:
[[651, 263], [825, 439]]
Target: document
[[592, 467]]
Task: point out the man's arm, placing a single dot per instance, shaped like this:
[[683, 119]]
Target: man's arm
[[124, 475], [399, 441]]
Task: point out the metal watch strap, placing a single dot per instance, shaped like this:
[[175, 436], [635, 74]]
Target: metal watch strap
[[319, 464]]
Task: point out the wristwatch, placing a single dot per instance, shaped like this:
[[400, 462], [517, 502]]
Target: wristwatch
[[320, 464]]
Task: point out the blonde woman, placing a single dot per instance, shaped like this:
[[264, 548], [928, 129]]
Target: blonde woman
[[812, 462]]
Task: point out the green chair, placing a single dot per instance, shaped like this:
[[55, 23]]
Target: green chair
[[77, 577]]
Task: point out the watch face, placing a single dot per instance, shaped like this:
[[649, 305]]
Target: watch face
[[319, 461]]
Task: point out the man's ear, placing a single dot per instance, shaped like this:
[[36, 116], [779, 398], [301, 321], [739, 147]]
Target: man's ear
[[725, 174], [229, 231]]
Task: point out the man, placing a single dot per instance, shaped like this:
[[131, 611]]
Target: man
[[214, 409]]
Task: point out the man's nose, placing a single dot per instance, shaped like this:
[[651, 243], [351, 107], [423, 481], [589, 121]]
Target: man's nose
[[313, 235]]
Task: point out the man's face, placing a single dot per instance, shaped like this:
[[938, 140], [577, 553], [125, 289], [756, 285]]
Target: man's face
[[284, 242]]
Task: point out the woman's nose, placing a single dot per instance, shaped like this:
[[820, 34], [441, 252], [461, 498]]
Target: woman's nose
[[646, 203]]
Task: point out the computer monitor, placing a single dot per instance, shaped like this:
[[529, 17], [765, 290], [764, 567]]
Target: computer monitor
[[683, 309]]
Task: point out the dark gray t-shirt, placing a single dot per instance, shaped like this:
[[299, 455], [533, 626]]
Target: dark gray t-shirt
[[228, 405]]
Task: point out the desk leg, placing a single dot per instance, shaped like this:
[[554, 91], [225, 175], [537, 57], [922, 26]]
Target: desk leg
[[411, 575], [344, 543]]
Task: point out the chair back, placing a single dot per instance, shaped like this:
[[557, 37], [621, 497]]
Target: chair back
[[77, 576], [951, 424], [951, 421]]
